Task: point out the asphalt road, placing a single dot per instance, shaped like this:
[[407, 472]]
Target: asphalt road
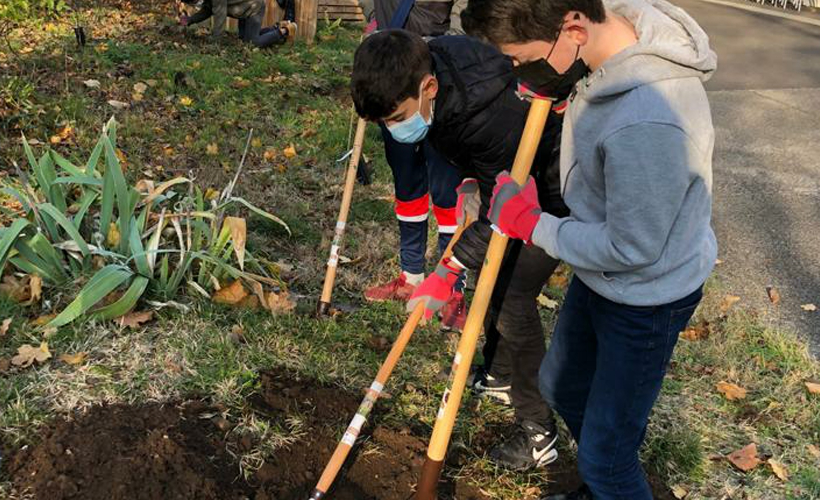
[[765, 100]]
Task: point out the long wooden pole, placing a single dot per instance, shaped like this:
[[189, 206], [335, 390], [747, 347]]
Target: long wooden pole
[[323, 307], [354, 428], [451, 400]]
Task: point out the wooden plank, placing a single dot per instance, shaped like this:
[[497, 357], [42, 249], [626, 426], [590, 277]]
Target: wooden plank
[[273, 13], [307, 12], [331, 10], [346, 3]]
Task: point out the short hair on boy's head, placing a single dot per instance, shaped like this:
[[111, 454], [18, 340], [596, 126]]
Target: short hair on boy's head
[[388, 68], [520, 21]]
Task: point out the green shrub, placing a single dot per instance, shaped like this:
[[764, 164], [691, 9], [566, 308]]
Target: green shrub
[[87, 225]]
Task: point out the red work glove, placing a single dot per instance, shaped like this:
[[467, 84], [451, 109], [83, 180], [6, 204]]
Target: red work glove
[[514, 210], [436, 289], [469, 201]]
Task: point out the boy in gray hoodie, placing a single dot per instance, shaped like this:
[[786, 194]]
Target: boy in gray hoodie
[[636, 173]]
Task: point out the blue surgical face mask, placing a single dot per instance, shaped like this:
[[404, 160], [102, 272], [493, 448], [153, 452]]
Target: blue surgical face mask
[[413, 129]]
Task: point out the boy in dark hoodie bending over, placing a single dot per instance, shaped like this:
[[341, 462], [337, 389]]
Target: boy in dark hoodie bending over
[[636, 172], [249, 13], [461, 95]]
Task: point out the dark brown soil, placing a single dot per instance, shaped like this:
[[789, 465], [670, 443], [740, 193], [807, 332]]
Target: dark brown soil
[[180, 451]]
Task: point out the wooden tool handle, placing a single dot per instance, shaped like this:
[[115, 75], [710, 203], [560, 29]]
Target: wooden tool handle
[[341, 223], [451, 399]]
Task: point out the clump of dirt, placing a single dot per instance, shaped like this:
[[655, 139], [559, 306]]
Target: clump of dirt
[[180, 451]]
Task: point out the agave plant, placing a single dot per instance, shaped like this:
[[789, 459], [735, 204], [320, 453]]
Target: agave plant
[[88, 223]]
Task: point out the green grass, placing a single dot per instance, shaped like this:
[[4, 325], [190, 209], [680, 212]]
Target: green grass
[[298, 96]]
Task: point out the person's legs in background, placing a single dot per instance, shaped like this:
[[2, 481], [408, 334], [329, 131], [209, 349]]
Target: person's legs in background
[[444, 178], [412, 207]]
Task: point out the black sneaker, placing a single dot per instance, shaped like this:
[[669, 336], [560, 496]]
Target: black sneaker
[[486, 385], [581, 493], [531, 445]]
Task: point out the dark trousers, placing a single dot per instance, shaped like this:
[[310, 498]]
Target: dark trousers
[[602, 374], [421, 173], [515, 344], [250, 30]]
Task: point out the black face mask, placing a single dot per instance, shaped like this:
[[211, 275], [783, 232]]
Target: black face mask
[[542, 78]]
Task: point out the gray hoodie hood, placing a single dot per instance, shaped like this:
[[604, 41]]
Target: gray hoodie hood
[[665, 32]]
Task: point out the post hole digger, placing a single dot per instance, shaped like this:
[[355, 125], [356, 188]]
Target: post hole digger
[[374, 391]]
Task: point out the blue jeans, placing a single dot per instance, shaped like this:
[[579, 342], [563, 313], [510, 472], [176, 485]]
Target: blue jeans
[[602, 373]]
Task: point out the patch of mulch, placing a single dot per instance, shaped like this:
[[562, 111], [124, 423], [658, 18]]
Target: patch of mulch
[[179, 451]]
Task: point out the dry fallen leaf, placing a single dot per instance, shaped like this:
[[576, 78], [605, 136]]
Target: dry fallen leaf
[[186, 101], [73, 359], [808, 307], [256, 142], [140, 88], [26, 355], [558, 281], [727, 302], [92, 84], [814, 451], [134, 320], [270, 154], [699, 331], [236, 225], [5, 364], [118, 105], [14, 288], [211, 194], [237, 334], [62, 134], [43, 320], [136, 97], [279, 303], [774, 295], [779, 469], [231, 294], [212, 149], [35, 285], [813, 387], [679, 492], [4, 328], [547, 302], [745, 458], [113, 237], [289, 151], [731, 391]]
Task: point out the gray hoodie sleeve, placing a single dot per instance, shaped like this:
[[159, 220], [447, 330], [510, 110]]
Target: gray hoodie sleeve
[[220, 12], [455, 18], [647, 174]]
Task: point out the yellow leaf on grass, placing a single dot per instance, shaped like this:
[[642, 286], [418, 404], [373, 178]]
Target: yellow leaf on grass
[[289, 151], [236, 226], [699, 331], [731, 391], [745, 458], [185, 100], [813, 387], [779, 469], [13, 288], [727, 302], [43, 320], [231, 294], [113, 237], [547, 302], [808, 307], [27, 355], [134, 320], [679, 492], [4, 328], [140, 88], [73, 359], [211, 194], [270, 154], [136, 97], [62, 134], [256, 142], [212, 149]]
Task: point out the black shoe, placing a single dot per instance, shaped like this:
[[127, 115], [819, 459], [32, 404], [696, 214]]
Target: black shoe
[[486, 385], [531, 445], [581, 493]]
